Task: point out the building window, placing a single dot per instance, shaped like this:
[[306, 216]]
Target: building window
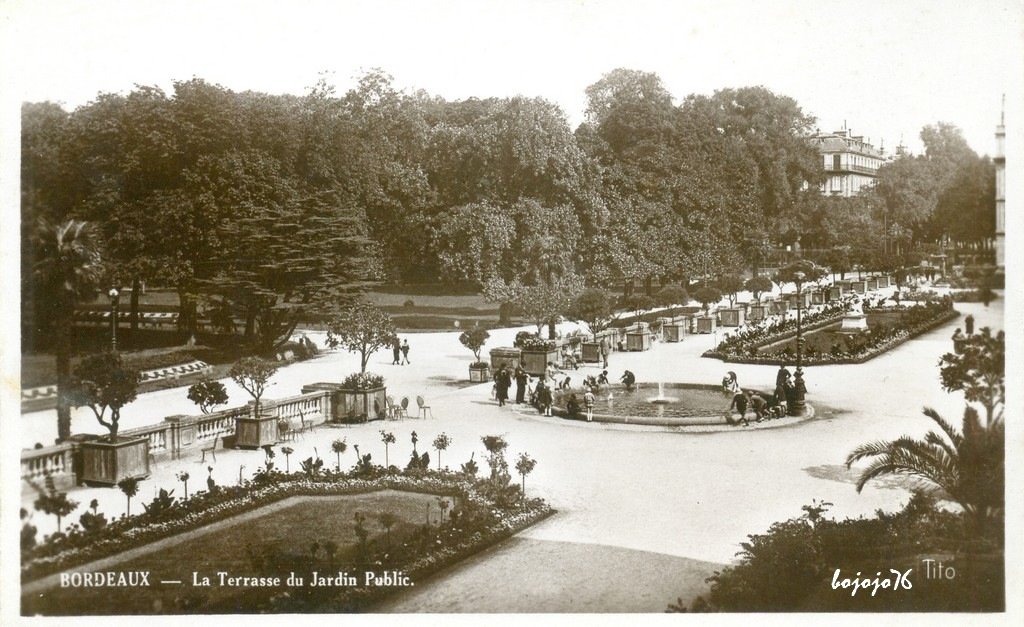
[[835, 162]]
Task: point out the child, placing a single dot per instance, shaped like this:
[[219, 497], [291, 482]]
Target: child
[[602, 379], [544, 398], [588, 401]]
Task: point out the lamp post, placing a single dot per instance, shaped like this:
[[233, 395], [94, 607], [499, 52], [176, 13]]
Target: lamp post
[[113, 294], [799, 389]]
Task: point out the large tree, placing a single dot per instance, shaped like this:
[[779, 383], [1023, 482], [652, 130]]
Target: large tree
[[67, 270]]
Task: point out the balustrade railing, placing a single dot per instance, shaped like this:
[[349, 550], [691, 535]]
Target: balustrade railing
[[176, 434]]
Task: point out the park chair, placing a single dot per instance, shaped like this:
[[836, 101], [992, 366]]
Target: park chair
[[307, 425], [212, 449], [424, 408], [403, 409]]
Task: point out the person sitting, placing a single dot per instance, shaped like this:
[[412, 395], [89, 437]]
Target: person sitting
[[628, 379], [739, 403], [566, 382], [757, 404], [572, 407]]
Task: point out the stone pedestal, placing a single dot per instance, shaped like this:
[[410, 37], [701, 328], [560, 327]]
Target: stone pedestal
[[854, 323]]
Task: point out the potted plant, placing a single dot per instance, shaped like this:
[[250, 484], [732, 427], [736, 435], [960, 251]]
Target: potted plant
[[253, 374], [707, 296], [474, 340], [536, 353], [757, 286], [362, 397], [594, 307], [672, 296], [103, 382]]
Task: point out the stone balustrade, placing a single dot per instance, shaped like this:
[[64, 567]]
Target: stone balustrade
[[173, 437]]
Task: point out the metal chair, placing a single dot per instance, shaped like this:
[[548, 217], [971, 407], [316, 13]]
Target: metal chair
[[404, 407], [424, 408], [212, 449]]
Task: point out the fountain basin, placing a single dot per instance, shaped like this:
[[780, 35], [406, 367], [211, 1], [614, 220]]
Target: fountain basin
[[677, 404]]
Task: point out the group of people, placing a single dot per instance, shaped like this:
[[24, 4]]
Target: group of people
[[400, 352], [763, 407], [541, 393]]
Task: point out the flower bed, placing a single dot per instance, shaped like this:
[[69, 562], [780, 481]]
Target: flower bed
[[77, 547], [915, 320]]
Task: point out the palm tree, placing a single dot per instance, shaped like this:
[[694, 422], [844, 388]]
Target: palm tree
[[67, 272], [967, 466]]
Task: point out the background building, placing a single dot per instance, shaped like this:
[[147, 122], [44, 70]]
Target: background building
[[850, 162]]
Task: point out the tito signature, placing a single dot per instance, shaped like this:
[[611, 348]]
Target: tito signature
[[895, 580]]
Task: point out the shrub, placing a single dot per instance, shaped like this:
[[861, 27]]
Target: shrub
[[359, 381]]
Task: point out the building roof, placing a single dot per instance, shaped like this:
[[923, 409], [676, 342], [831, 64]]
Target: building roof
[[833, 143]]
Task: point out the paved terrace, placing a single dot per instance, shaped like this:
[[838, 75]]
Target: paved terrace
[[695, 496]]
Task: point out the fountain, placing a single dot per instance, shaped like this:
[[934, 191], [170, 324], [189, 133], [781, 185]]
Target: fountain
[[673, 404], [661, 399]]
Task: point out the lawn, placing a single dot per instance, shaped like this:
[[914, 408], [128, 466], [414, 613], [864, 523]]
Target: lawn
[[286, 537]]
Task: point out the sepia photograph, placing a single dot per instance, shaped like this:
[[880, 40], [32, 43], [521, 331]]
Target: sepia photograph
[[407, 309]]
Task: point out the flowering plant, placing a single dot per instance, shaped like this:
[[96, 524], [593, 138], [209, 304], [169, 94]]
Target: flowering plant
[[362, 381]]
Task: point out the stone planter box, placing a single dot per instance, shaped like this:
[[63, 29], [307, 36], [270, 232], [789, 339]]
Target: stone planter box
[[610, 337], [883, 282], [779, 306], [836, 292], [818, 297], [872, 284], [536, 362], [255, 431], [675, 331], [638, 340], [107, 463], [758, 312], [362, 405], [590, 352], [859, 286], [505, 356], [706, 324], [479, 374], [732, 317], [804, 299]]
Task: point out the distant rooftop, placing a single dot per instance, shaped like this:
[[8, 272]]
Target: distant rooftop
[[845, 141]]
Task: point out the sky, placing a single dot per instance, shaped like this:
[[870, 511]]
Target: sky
[[884, 69]]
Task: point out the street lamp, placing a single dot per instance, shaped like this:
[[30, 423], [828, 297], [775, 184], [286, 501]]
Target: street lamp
[[113, 294], [799, 389]]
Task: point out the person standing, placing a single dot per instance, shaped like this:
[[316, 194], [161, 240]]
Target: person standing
[[969, 324], [781, 382], [396, 351], [521, 380], [544, 397], [405, 351], [588, 402], [502, 381], [603, 347]]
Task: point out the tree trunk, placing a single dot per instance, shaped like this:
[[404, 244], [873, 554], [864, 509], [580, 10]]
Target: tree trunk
[[505, 314], [551, 328], [186, 312], [63, 340], [649, 286]]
